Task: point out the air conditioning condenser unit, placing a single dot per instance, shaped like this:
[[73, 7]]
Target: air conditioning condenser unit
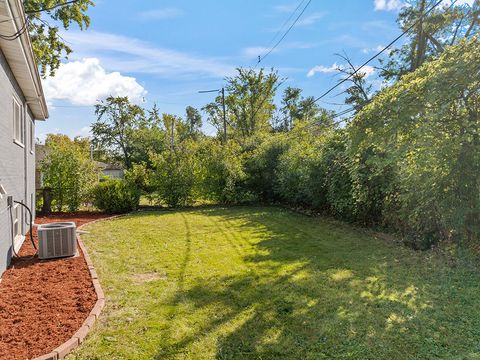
[[56, 240]]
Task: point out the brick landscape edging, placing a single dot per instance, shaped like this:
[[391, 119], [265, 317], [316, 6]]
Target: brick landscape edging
[[68, 346]]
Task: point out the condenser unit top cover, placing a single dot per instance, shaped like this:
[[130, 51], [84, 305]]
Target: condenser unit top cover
[[57, 240]]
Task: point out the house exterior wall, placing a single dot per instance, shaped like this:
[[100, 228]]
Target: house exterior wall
[[17, 162], [113, 173]]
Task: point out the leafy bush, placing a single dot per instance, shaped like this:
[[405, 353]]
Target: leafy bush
[[300, 171], [175, 173], [336, 170], [223, 175], [416, 150], [262, 166], [315, 172], [116, 196], [68, 171]]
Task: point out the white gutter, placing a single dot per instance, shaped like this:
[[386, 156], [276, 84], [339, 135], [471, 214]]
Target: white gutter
[[17, 20]]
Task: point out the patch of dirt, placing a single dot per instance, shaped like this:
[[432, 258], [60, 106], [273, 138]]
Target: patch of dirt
[[44, 302], [148, 277]]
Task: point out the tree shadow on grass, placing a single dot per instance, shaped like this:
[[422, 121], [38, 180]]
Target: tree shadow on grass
[[315, 290]]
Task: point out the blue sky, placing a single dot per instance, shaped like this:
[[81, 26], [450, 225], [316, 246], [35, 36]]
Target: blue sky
[[165, 51]]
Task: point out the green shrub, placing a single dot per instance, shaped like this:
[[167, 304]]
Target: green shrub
[[300, 172], [68, 171], [116, 196], [416, 151], [223, 176], [338, 181], [175, 174], [262, 166]]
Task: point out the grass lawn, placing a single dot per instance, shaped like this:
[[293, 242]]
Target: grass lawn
[[263, 282]]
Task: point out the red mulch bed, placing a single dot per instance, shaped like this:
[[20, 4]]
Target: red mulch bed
[[44, 302]]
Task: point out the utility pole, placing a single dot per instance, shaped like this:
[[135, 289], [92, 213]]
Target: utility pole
[[222, 90], [172, 135], [224, 117]]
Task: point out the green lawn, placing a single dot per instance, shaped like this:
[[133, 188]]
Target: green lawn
[[263, 282]]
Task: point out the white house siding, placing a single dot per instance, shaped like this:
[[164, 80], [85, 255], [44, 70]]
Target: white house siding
[[17, 163]]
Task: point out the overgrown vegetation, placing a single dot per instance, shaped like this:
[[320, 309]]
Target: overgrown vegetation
[[407, 160]]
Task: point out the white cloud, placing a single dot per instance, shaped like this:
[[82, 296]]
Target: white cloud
[[158, 14], [388, 5], [310, 20], [372, 50], [322, 69], [367, 69], [86, 81], [126, 54], [83, 132]]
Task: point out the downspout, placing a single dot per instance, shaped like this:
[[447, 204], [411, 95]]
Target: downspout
[[27, 150], [25, 161]]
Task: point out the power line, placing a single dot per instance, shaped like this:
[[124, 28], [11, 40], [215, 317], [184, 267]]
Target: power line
[[381, 51], [264, 56], [285, 34], [24, 27], [283, 26], [52, 7], [344, 112], [17, 34], [40, 10]]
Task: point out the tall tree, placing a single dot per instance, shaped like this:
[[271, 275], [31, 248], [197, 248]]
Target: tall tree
[[298, 108], [308, 110], [359, 93], [148, 136], [193, 121], [117, 120], [44, 19], [290, 107], [250, 102], [431, 33]]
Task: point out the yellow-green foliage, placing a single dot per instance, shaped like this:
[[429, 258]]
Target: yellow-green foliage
[[222, 172], [68, 171], [416, 149], [175, 174]]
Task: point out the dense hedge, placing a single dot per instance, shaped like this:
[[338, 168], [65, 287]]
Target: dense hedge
[[410, 161], [116, 196]]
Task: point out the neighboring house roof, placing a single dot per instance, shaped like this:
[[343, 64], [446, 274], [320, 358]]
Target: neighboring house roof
[[105, 166], [19, 55]]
